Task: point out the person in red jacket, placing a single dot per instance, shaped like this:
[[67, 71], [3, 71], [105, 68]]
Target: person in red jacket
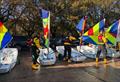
[[102, 44]]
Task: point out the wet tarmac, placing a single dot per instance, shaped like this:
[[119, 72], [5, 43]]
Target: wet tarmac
[[63, 72]]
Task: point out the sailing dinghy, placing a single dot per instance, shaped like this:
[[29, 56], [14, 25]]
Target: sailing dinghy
[[47, 55], [8, 56]]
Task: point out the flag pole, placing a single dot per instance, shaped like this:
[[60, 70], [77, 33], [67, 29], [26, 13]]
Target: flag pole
[[82, 31], [48, 31]]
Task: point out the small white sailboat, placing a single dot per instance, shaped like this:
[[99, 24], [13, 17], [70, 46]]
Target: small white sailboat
[[47, 58], [8, 59], [112, 34], [76, 56], [8, 56], [91, 52], [47, 55]]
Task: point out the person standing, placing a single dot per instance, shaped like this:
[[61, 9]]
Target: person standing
[[102, 47], [67, 47], [35, 51]]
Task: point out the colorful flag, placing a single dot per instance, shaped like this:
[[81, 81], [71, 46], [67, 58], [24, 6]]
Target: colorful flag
[[96, 29], [91, 36], [5, 36], [112, 32], [45, 13], [46, 26], [118, 34], [81, 25]]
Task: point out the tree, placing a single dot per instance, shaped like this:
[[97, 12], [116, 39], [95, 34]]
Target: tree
[[23, 17]]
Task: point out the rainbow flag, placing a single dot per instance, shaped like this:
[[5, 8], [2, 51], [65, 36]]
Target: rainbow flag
[[91, 36], [112, 32], [46, 26], [81, 25], [118, 34], [5, 36]]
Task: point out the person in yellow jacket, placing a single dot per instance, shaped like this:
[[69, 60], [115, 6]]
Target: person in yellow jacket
[[102, 47], [67, 47], [35, 52]]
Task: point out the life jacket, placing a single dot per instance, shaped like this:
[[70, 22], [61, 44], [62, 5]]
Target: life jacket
[[72, 38], [37, 42], [67, 41], [100, 38]]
